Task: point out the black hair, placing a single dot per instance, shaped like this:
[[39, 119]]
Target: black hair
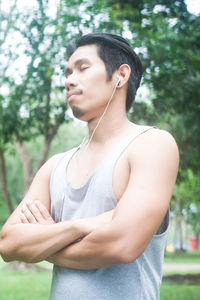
[[114, 51]]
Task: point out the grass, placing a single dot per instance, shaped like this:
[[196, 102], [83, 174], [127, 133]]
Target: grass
[[179, 292], [186, 257], [191, 257], [23, 285], [32, 286]]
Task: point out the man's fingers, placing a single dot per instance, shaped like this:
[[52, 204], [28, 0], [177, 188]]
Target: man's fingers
[[44, 212], [35, 211], [42, 209], [39, 212], [23, 218], [27, 213]]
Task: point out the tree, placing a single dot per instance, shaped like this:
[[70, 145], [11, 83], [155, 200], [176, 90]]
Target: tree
[[186, 204], [35, 104], [32, 102], [168, 41], [7, 116], [179, 212], [193, 203], [167, 38]]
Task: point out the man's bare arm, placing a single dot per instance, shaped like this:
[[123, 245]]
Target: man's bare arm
[[139, 212], [33, 242]]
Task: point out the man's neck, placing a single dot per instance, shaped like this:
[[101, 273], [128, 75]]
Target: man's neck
[[109, 128]]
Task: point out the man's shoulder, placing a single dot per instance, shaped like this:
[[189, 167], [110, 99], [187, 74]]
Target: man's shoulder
[[55, 158], [51, 163], [153, 142], [157, 134]]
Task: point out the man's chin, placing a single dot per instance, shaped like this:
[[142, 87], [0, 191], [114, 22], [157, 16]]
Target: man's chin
[[77, 112], [80, 114]]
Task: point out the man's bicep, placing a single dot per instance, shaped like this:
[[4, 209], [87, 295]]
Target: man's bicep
[[39, 189], [145, 201]]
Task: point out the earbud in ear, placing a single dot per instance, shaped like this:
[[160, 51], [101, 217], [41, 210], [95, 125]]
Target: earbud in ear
[[119, 81]]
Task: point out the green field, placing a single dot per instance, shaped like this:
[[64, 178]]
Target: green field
[[179, 292], [187, 257], [23, 285]]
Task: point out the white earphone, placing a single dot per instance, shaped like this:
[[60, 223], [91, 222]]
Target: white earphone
[[100, 119], [118, 81]]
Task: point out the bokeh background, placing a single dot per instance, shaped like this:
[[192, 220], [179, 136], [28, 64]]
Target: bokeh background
[[35, 121]]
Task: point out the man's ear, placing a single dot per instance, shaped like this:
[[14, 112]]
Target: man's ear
[[124, 73]]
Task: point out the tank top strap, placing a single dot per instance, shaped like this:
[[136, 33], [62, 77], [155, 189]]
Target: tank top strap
[[60, 167], [119, 149]]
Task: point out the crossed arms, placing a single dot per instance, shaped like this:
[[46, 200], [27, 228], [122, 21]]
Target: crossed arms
[[31, 235]]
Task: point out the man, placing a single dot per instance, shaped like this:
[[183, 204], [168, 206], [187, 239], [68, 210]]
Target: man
[[109, 197]]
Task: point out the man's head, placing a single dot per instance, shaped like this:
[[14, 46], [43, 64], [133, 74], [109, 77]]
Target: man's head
[[114, 51]]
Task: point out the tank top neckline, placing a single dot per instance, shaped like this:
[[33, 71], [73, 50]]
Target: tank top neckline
[[84, 186], [135, 132]]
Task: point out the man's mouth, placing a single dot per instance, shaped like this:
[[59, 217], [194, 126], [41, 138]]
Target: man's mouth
[[72, 93]]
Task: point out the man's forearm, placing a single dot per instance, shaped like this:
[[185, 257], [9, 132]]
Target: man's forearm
[[100, 248], [36, 242]]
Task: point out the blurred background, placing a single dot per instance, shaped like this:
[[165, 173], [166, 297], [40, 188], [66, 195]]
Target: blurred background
[[35, 121]]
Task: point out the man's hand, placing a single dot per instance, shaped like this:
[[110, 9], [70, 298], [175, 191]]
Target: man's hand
[[38, 236], [35, 213]]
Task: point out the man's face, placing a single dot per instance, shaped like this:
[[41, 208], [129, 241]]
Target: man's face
[[86, 83]]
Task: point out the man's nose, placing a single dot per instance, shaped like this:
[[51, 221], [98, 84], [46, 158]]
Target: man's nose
[[70, 82]]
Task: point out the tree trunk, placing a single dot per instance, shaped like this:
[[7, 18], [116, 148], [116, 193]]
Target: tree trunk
[[4, 183], [197, 241], [44, 153], [179, 244], [27, 163], [180, 234], [26, 159], [48, 139]]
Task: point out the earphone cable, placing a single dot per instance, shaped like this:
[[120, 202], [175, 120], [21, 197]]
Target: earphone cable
[[100, 119]]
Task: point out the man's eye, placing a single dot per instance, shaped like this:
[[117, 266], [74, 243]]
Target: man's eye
[[83, 67], [67, 75]]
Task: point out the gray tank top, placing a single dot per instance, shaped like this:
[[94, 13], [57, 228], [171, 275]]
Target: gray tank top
[[139, 280]]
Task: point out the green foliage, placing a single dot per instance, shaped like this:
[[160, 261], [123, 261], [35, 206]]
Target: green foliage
[[41, 104], [167, 39], [179, 292], [32, 102], [193, 207], [4, 214], [186, 199], [166, 36], [69, 135]]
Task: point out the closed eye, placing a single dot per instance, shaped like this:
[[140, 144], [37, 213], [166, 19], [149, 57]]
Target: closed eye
[[84, 67]]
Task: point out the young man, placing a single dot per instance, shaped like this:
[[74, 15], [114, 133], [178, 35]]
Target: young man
[[109, 197]]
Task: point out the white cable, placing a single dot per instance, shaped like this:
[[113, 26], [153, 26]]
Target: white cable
[[100, 119]]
